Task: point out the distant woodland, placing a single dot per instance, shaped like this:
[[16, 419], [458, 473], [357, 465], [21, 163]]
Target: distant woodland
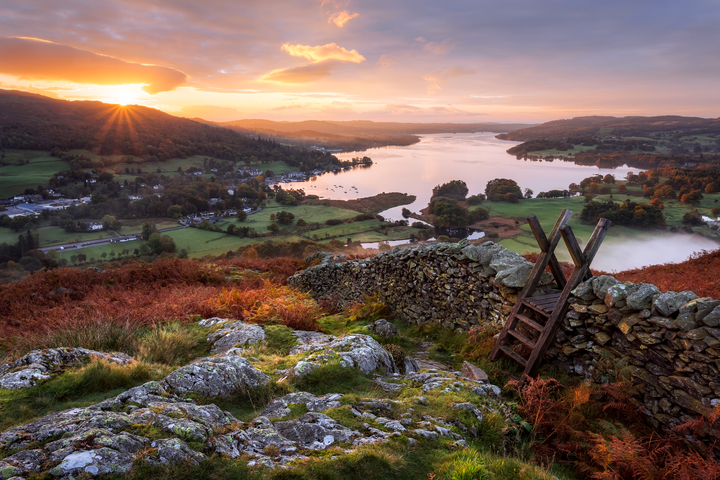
[[644, 142], [34, 122]]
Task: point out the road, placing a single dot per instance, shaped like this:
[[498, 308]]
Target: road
[[120, 239]]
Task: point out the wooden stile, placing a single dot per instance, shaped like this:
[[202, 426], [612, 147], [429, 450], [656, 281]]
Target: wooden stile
[[550, 308]]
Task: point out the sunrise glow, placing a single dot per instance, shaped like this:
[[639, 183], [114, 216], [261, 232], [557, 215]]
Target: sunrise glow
[[405, 61]]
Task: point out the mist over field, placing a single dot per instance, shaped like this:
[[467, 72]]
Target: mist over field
[[616, 255]]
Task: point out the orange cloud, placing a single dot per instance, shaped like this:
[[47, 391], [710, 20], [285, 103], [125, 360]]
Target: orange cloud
[[34, 59], [331, 51], [341, 18], [305, 74]]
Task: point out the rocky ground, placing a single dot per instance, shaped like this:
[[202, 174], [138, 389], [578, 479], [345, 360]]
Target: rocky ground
[[176, 420]]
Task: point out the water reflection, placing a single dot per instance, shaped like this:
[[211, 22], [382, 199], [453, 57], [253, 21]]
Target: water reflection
[[475, 158]]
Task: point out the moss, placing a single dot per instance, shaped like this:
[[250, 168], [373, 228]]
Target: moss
[[333, 378], [279, 339]]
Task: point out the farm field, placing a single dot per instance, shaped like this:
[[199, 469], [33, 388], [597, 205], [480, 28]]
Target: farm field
[[14, 178], [96, 252], [54, 236], [310, 213], [134, 226]]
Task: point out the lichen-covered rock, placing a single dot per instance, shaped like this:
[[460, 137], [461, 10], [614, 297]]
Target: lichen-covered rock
[[670, 302], [601, 284], [310, 341], [640, 296], [215, 377], [235, 334], [173, 450], [38, 365], [469, 407], [96, 440], [93, 462], [315, 431], [383, 328], [278, 408], [353, 351]]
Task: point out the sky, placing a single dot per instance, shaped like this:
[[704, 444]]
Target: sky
[[404, 60]]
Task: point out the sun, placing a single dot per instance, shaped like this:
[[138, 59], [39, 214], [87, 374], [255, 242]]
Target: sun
[[122, 98]]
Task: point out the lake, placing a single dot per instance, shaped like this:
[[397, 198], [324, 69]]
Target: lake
[[477, 158]]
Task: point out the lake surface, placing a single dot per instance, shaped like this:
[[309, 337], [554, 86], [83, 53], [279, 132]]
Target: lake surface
[[476, 159]]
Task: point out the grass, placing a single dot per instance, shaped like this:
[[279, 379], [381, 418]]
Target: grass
[[90, 384], [96, 252], [14, 179]]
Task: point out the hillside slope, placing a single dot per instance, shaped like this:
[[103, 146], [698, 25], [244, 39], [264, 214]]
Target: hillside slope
[[623, 126], [34, 122]]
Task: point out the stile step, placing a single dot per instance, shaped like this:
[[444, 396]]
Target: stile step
[[512, 354], [522, 338], [530, 322]]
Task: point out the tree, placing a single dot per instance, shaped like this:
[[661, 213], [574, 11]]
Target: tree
[[230, 229], [712, 187], [609, 179], [475, 199], [456, 189], [301, 222], [622, 188], [241, 215], [147, 230], [174, 211], [73, 258], [273, 228], [528, 193], [448, 213], [406, 213], [111, 223], [503, 189], [285, 218]]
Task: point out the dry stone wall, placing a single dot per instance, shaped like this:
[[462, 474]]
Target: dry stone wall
[[457, 285], [667, 344]]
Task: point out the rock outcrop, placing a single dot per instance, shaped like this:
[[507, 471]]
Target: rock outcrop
[[39, 364]]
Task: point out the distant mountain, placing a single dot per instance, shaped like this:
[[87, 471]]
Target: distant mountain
[[613, 126], [365, 127], [34, 122]]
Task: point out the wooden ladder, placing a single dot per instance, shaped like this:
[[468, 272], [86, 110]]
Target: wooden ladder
[[534, 319]]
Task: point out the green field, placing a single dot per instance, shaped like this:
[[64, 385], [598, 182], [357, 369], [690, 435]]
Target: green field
[[14, 179], [96, 252], [310, 213], [54, 236], [135, 226]]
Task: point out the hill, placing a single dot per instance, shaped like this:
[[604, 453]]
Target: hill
[[34, 122], [358, 134], [613, 126]]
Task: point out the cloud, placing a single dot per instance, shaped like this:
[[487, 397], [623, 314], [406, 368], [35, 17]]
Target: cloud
[[34, 59], [331, 51], [305, 74], [341, 18], [442, 75], [438, 48], [387, 61]]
